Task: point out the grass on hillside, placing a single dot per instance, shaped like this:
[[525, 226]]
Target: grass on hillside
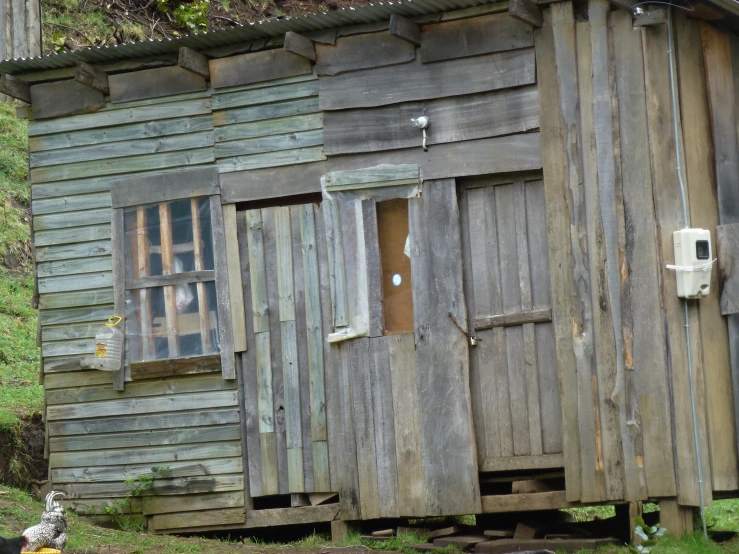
[[20, 393]]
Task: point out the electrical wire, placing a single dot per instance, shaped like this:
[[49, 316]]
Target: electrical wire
[[686, 217]]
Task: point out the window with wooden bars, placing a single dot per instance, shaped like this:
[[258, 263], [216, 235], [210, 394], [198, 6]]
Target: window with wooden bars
[[170, 274]]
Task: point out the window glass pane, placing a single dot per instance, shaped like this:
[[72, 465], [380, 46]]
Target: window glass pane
[[155, 330], [168, 238]]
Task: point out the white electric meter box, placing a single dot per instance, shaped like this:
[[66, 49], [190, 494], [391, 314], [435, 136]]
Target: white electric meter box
[[692, 262]]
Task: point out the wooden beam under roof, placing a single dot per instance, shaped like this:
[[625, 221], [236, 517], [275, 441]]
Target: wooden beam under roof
[[15, 88]]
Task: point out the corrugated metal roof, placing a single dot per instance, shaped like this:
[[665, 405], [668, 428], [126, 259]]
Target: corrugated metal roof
[[243, 33]]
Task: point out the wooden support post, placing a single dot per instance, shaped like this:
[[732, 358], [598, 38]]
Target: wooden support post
[[300, 45], [405, 29], [653, 15], [340, 530], [16, 88], [626, 515], [92, 77], [677, 519], [194, 62], [527, 11], [299, 500]]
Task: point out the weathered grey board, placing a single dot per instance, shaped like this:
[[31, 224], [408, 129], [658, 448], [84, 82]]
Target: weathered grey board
[[382, 86], [290, 140], [272, 159], [265, 95], [105, 118], [235, 116], [77, 379], [75, 315], [132, 148], [71, 236], [71, 267], [163, 487], [153, 83], [271, 182], [217, 518], [72, 251], [64, 99], [454, 119], [269, 127], [164, 186], [362, 52], [71, 219], [256, 67], [472, 37], [473, 157], [136, 131], [71, 203], [442, 359], [75, 282], [126, 423]]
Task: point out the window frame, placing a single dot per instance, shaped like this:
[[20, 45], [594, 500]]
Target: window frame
[[159, 188]]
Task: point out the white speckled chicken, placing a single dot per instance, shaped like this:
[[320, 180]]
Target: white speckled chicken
[[52, 531]]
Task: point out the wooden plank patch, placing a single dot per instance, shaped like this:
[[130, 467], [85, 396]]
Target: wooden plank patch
[[453, 119], [272, 182], [382, 86], [474, 36], [153, 83], [256, 67], [362, 52]]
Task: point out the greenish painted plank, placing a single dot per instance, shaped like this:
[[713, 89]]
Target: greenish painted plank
[[378, 175], [122, 149], [73, 267], [136, 131], [120, 116], [119, 473], [289, 141], [146, 162], [63, 363], [71, 219], [66, 188], [265, 95], [68, 348], [269, 127], [77, 379], [72, 251], [75, 315], [267, 84], [272, 159], [155, 404], [266, 112], [76, 282], [71, 203], [73, 299], [69, 236], [160, 100], [71, 331], [285, 283]]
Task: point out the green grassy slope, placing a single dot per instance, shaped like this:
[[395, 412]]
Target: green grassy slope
[[20, 393]]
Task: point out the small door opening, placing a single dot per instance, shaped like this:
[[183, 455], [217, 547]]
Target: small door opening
[[397, 291]]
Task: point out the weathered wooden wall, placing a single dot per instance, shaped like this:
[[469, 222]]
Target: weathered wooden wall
[[20, 29], [621, 344]]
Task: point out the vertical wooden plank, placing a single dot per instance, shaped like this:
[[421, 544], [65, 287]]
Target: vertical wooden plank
[[260, 306], [4, 46], [558, 115], [384, 427], [248, 502], [343, 438], [408, 450], [33, 24], [478, 407], [536, 220], [374, 268], [722, 78], [335, 262], [301, 334], [170, 300], [623, 480], [235, 290], [223, 297], [313, 322], [364, 432], [355, 281], [269, 233], [285, 285], [704, 213], [266, 412], [510, 288], [531, 372], [197, 249], [141, 270], [669, 217], [250, 382], [18, 21], [442, 359], [117, 233], [648, 357]]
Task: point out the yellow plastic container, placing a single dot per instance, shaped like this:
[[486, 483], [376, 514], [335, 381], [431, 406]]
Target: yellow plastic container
[[44, 551]]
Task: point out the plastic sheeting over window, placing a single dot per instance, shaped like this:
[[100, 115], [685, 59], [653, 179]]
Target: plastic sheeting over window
[[170, 290]]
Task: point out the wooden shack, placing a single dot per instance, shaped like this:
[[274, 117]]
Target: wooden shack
[[332, 314]]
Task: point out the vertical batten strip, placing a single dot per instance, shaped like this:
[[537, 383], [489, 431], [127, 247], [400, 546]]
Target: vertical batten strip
[[119, 289], [142, 268], [235, 289], [337, 278], [168, 268], [557, 74], [203, 311], [531, 369], [223, 299]]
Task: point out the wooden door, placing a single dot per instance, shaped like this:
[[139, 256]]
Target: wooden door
[[513, 367]]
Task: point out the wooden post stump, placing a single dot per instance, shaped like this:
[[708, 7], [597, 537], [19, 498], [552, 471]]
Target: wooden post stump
[[626, 515], [340, 530], [678, 520]]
